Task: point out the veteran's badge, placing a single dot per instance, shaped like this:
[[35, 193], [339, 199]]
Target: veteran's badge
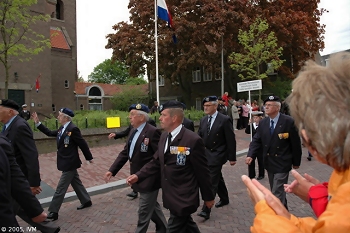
[[66, 141], [144, 145], [181, 159]]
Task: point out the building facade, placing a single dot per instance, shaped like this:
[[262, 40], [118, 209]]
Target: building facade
[[55, 67]]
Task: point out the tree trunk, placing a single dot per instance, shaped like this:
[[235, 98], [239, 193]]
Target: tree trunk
[[7, 68]]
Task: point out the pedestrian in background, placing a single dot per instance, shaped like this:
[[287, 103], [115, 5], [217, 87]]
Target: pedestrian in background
[[25, 113]]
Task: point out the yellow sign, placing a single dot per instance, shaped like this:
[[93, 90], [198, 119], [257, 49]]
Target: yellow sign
[[113, 122]]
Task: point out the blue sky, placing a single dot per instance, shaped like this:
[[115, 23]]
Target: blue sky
[[95, 21]]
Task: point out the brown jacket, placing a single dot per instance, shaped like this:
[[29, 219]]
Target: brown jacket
[[145, 147]]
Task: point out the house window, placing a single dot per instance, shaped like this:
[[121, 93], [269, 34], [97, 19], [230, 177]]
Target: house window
[[53, 108], [161, 80], [327, 62], [207, 75], [81, 107], [270, 69], [66, 84], [196, 75], [198, 104], [59, 10], [95, 99]]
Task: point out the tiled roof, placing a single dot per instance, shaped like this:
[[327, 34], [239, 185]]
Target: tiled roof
[[108, 89], [58, 40]]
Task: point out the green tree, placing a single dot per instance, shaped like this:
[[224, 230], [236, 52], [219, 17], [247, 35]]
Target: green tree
[[135, 81], [79, 77], [109, 72], [17, 37], [259, 49], [128, 96]]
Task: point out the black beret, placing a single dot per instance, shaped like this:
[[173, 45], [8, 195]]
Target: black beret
[[9, 104], [140, 107], [209, 99], [171, 104], [67, 111], [272, 98]]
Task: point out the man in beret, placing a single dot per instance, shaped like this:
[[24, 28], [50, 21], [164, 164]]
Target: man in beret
[[25, 113], [216, 130], [184, 169], [68, 140], [141, 144], [278, 139], [19, 133], [133, 194]]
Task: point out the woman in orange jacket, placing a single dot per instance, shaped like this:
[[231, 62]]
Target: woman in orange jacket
[[328, 140]]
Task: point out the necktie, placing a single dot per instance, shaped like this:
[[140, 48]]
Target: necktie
[[60, 132], [3, 128], [169, 141], [130, 140], [272, 127], [209, 124]]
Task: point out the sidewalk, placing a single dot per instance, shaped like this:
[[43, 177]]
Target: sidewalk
[[114, 212]]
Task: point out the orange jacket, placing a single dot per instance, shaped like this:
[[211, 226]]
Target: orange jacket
[[336, 217]]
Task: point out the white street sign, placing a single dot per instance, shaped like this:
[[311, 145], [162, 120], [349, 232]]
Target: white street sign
[[249, 85]]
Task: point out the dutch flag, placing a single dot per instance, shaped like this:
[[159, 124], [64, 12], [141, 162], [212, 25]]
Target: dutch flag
[[164, 13]]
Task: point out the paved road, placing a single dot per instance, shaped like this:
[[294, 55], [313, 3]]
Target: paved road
[[114, 212]]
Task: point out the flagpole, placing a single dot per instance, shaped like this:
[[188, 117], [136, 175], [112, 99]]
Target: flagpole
[[222, 65], [156, 43]]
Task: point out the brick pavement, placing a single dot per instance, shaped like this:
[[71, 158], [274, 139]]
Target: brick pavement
[[114, 212]]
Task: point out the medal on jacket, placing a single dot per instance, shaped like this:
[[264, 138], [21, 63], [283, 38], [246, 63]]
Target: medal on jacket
[[144, 145], [66, 139]]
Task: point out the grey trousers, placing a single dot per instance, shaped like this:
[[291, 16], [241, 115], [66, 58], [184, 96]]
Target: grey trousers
[[149, 209], [66, 179], [277, 180]]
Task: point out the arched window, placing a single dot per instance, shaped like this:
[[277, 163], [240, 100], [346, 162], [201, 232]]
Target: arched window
[[59, 10], [53, 108], [81, 107], [95, 98], [66, 84]]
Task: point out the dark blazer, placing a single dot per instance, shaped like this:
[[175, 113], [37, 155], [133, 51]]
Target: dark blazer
[[181, 183], [67, 146], [280, 154], [188, 124], [20, 135], [145, 147], [7, 216], [247, 129], [18, 187], [220, 144], [126, 132]]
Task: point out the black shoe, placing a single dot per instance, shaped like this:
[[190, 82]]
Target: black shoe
[[87, 204], [53, 216], [260, 178], [221, 204], [309, 158], [133, 194], [57, 229], [204, 214]]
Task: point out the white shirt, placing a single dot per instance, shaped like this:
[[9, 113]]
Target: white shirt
[[174, 133]]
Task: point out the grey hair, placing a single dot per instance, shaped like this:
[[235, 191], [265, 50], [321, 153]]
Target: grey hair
[[143, 114], [327, 87]]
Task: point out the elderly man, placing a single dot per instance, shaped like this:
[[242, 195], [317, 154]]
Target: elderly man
[[279, 141], [183, 167], [19, 133], [141, 144], [220, 145], [68, 140]]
